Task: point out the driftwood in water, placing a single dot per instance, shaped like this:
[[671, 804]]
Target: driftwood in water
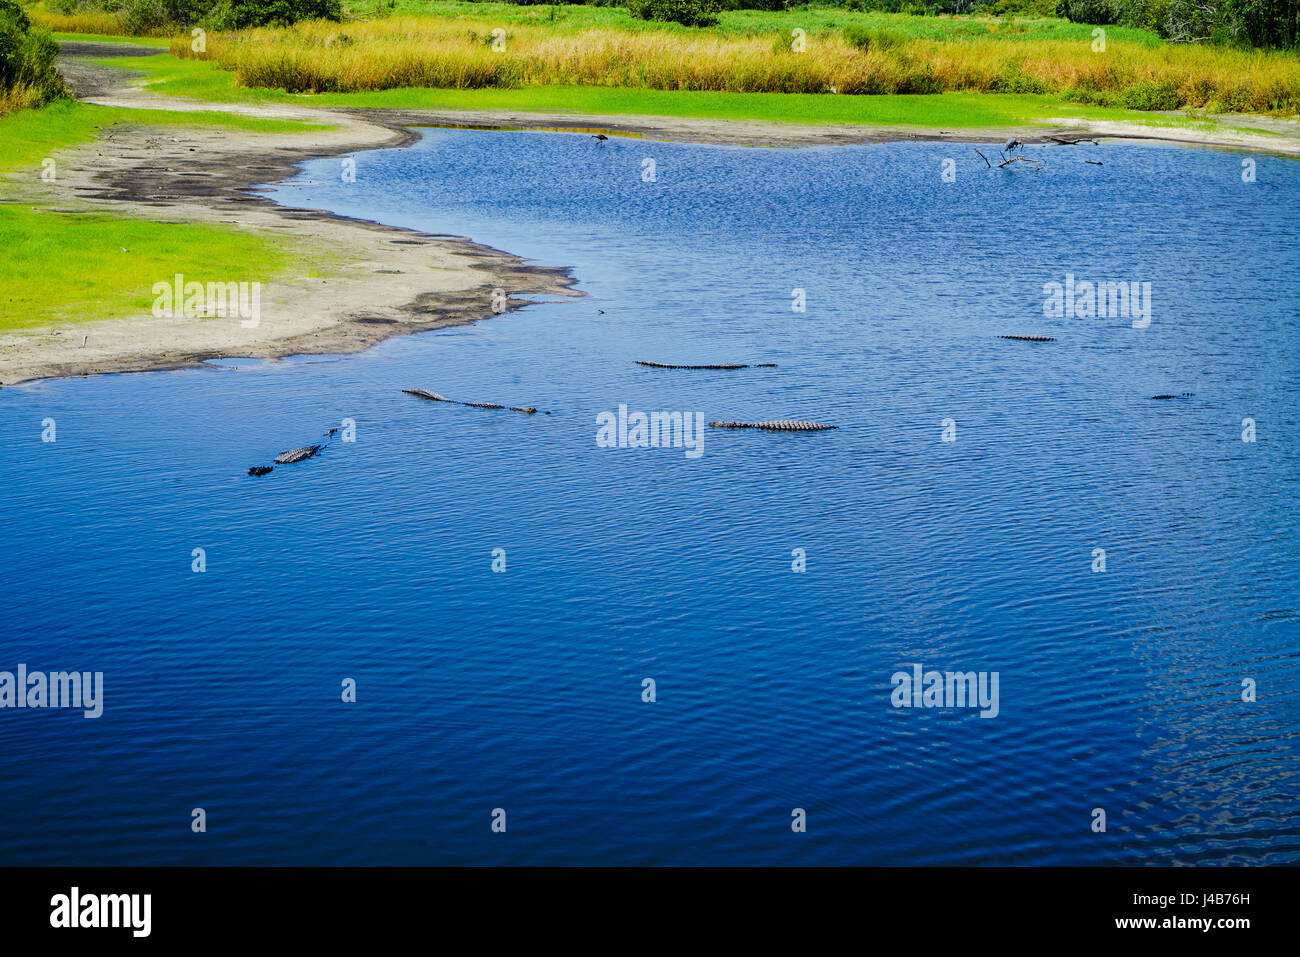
[[1071, 142], [1095, 162], [776, 425], [1031, 163], [436, 397], [1030, 338], [261, 469], [725, 365]]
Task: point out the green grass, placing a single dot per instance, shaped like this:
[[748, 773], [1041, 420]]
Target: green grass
[[939, 111], [70, 267], [202, 80], [29, 136], [160, 42], [66, 267]]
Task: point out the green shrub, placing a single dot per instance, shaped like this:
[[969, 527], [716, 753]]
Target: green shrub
[[1014, 79], [1253, 23], [691, 13], [13, 18], [1154, 15], [239, 14], [1151, 96], [1014, 8], [1100, 13], [27, 73], [867, 38], [152, 17], [140, 17]]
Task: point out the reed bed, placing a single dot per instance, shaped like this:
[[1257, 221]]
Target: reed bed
[[96, 22], [21, 97], [325, 57]]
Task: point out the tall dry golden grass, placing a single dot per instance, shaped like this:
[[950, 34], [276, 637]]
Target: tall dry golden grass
[[15, 98], [98, 22], [420, 52]]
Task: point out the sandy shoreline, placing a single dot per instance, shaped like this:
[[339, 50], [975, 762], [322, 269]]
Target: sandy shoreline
[[1276, 136], [379, 281], [372, 281]]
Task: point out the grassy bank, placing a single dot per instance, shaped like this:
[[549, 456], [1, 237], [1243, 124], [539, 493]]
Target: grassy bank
[[201, 80], [64, 267], [29, 136], [70, 267], [882, 54], [161, 43]]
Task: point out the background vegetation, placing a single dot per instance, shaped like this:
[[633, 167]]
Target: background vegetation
[[1255, 23], [1136, 70], [742, 46], [27, 74], [164, 17]]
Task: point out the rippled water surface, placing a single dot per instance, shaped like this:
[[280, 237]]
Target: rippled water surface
[[521, 690]]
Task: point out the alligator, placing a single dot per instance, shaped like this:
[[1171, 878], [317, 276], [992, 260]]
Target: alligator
[[426, 394], [297, 455], [438, 397], [776, 425], [726, 365]]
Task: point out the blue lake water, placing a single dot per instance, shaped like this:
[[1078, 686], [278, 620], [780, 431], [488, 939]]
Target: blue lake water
[[1119, 690]]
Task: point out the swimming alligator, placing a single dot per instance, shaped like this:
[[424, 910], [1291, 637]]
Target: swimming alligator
[[1184, 395], [294, 455], [727, 365], [297, 455], [1030, 338], [775, 425], [426, 394], [436, 397]]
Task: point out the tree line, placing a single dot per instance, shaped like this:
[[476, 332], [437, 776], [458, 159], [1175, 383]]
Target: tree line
[[1255, 23]]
